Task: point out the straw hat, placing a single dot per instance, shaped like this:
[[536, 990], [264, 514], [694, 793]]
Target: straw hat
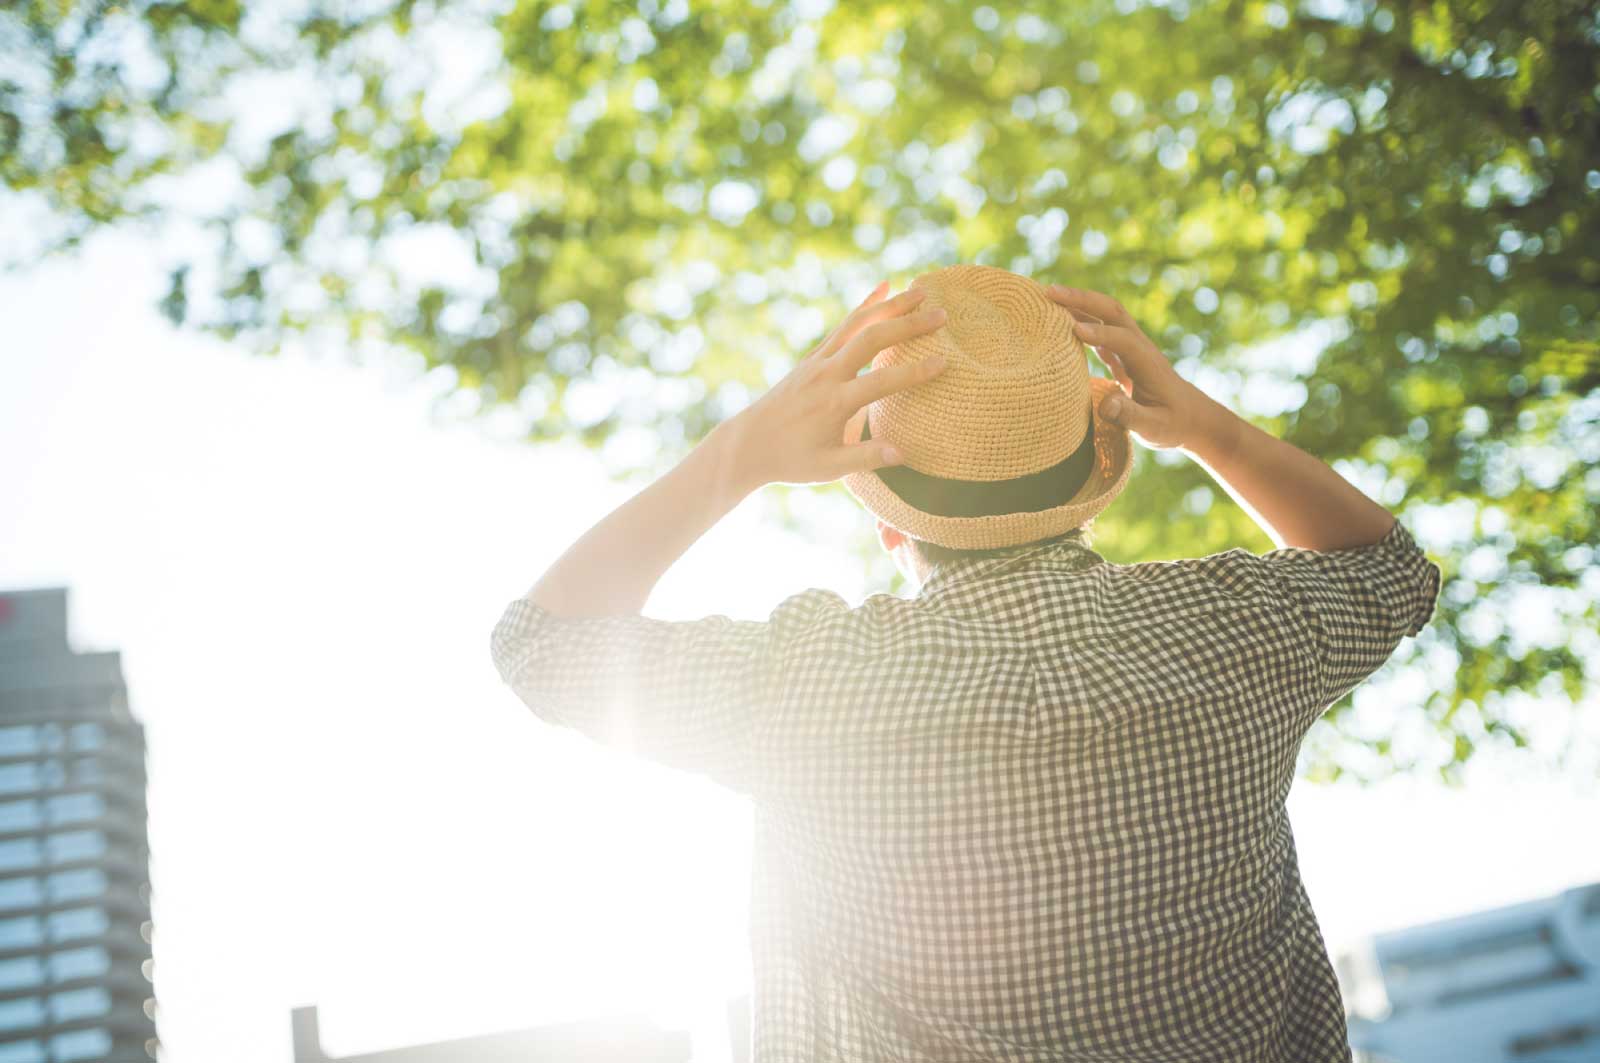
[[1002, 447]]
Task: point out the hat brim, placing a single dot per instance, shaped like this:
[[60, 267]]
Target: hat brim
[[1113, 463]]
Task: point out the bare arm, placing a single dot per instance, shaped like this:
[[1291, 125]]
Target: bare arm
[[790, 435], [1295, 498]]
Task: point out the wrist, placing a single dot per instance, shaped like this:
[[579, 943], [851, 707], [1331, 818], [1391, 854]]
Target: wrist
[[1216, 431], [732, 470]]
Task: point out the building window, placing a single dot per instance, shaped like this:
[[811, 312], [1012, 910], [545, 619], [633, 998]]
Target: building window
[[21, 933], [52, 774], [85, 737], [75, 845], [22, 972], [80, 1044], [19, 852], [19, 778], [22, 1052], [78, 884], [20, 893], [75, 808], [91, 962], [20, 815], [77, 923], [21, 1013], [79, 1004], [19, 741]]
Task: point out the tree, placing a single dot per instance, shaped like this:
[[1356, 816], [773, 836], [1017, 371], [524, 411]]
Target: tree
[[1373, 227]]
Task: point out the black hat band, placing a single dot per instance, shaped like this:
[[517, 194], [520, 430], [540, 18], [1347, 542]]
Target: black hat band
[[941, 496]]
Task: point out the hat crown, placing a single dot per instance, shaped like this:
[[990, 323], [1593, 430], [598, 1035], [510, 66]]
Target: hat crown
[[997, 321], [1014, 395]]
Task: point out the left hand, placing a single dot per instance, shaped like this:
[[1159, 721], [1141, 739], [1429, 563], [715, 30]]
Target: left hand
[[793, 433]]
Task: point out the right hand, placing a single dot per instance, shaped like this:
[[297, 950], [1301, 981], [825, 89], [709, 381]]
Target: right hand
[[1160, 407]]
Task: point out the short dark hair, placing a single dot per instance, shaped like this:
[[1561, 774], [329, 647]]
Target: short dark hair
[[933, 553]]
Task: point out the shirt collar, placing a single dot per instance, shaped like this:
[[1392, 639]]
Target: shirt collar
[[947, 573]]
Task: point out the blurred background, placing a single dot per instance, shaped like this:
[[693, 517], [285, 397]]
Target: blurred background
[[328, 326]]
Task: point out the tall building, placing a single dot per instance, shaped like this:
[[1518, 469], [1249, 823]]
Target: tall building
[[74, 882]]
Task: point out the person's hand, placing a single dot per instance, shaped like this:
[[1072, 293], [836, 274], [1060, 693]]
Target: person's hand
[[1159, 406], [795, 433]]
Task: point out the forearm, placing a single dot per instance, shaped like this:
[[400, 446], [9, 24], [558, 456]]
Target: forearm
[[1295, 498], [792, 434], [613, 567]]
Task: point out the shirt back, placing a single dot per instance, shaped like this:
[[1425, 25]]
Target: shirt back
[[1038, 811], [1035, 813]]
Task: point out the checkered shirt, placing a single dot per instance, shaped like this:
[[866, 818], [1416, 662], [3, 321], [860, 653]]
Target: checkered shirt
[[1035, 812]]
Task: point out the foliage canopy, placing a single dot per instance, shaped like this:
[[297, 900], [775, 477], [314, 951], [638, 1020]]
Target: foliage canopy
[[1373, 227]]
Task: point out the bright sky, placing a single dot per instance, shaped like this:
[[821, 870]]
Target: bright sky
[[301, 568]]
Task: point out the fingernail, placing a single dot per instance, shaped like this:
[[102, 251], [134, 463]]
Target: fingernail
[[1112, 407], [937, 315], [935, 363], [892, 455], [916, 295]]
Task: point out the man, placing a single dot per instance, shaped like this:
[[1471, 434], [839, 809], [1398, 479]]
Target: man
[[1035, 812]]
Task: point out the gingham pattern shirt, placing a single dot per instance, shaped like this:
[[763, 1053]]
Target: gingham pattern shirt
[[1035, 812]]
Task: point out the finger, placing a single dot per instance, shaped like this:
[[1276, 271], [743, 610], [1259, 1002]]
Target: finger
[[852, 427], [874, 295], [1132, 346], [1099, 304], [867, 313], [884, 334], [1149, 421], [1115, 366], [828, 342], [863, 457], [870, 387]]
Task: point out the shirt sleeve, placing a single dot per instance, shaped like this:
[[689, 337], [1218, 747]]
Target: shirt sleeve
[[687, 694], [1358, 603]]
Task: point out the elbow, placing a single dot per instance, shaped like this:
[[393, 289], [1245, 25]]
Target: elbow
[[509, 640]]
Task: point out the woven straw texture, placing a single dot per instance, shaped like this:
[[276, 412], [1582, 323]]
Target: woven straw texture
[[1013, 399]]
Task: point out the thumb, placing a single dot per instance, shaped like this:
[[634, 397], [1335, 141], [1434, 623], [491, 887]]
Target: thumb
[[1125, 413], [865, 457], [1117, 409]]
